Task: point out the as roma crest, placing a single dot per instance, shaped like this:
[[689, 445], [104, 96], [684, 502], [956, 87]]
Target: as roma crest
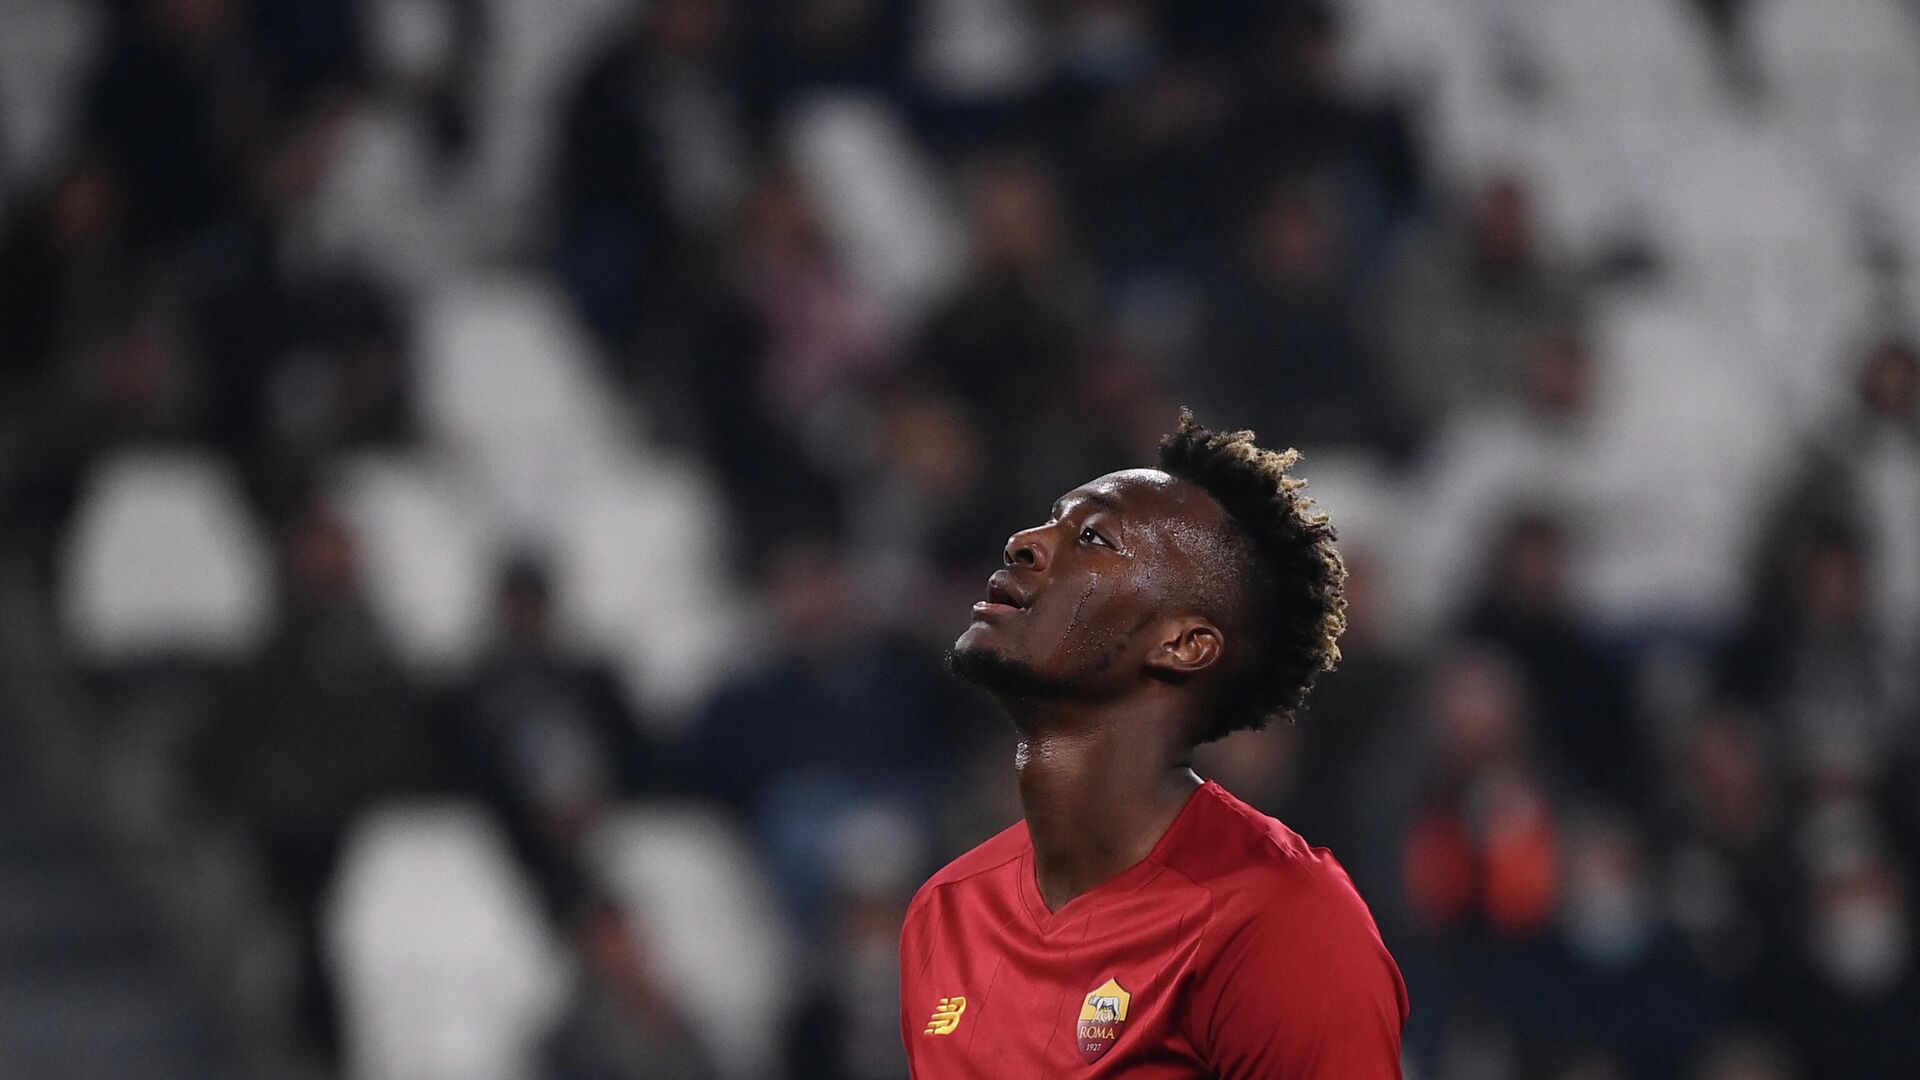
[[1102, 1017]]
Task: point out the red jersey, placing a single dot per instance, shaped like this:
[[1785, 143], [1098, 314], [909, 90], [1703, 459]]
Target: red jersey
[[1232, 950]]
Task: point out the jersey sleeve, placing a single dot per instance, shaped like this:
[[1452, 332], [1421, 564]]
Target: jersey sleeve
[[912, 957], [1301, 991]]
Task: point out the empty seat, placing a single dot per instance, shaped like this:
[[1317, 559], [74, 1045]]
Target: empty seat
[[1358, 489], [1896, 210], [380, 203], [532, 51], [510, 386], [1767, 257], [1683, 404], [446, 968], [880, 201], [1410, 44], [1633, 67], [1845, 76], [165, 559], [644, 578], [425, 556], [45, 54], [690, 881]]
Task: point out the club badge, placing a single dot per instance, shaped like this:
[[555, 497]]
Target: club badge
[[1102, 1017]]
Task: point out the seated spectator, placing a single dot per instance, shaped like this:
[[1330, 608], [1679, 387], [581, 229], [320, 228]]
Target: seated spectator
[[1323, 775], [1295, 111], [1526, 609], [174, 104], [1854, 1010], [82, 361], [1860, 474], [1465, 301], [64, 265], [1537, 445], [780, 351], [547, 738], [618, 1023], [1013, 327], [926, 510], [298, 371], [314, 731], [1481, 855], [1131, 127], [1282, 352], [1479, 852], [1814, 661], [651, 165], [1733, 897], [832, 718], [1614, 977], [846, 1022]]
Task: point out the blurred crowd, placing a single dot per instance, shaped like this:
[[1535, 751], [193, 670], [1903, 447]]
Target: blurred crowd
[[1607, 839]]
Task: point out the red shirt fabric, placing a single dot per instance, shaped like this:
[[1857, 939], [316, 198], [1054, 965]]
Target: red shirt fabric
[[1232, 950]]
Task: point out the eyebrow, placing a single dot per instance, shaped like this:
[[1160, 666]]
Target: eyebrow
[[1094, 497]]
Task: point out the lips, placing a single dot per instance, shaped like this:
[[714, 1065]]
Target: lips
[[1002, 589]]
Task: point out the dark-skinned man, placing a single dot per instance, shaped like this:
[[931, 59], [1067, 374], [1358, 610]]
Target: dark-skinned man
[[1141, 922]]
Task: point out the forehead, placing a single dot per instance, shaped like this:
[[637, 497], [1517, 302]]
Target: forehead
[[1150, 496]]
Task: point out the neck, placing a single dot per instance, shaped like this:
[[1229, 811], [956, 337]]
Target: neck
[[1100, 785]]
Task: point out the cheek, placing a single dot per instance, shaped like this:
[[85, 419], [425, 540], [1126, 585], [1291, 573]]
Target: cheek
[[1088, 625]]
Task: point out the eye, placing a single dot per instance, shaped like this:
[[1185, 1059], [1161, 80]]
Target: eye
[[1087, 534]]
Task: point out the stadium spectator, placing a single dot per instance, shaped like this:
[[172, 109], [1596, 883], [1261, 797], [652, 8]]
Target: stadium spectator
[[619, 1024], [313, 732], [652, 164], [1580, 686], [1813, 658], [1613, 981], [835, 716], [1858, 986], [1465, 301], [548, 740], [1025, 300], [1282, 346], [1733, 899]]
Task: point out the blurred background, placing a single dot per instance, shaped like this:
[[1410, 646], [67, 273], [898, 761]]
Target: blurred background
[[486, 485]]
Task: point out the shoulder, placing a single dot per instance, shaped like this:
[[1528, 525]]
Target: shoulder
[[1280, 904], [1290, 967], [1230, 849], [1002, 848], [1266, 883]]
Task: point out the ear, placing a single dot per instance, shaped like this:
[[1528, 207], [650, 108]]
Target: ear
[[1189, 647]]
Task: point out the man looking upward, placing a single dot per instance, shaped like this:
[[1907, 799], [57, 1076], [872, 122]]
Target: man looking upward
[[1141, 922]]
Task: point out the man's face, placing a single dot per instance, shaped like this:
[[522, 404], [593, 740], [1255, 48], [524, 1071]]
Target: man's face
[[1083, 597]]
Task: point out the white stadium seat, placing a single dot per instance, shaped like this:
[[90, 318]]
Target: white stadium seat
[[1686, 419], [380, 203], [1845, 76], [511, 390], [880, 201], [45, 55], [426, 559], [1767, 258], [691, 882], [446, 967], [165, 559], [645, 581], [533, 52]]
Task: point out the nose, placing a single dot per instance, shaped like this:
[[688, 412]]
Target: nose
[[1027, 548]]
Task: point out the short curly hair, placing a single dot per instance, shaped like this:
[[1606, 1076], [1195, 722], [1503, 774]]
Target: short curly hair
[[1291, 581]]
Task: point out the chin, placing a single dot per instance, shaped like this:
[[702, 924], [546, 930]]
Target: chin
[[998, 673]]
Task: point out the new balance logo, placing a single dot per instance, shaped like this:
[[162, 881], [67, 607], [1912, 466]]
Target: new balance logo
[[946, 1016]]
